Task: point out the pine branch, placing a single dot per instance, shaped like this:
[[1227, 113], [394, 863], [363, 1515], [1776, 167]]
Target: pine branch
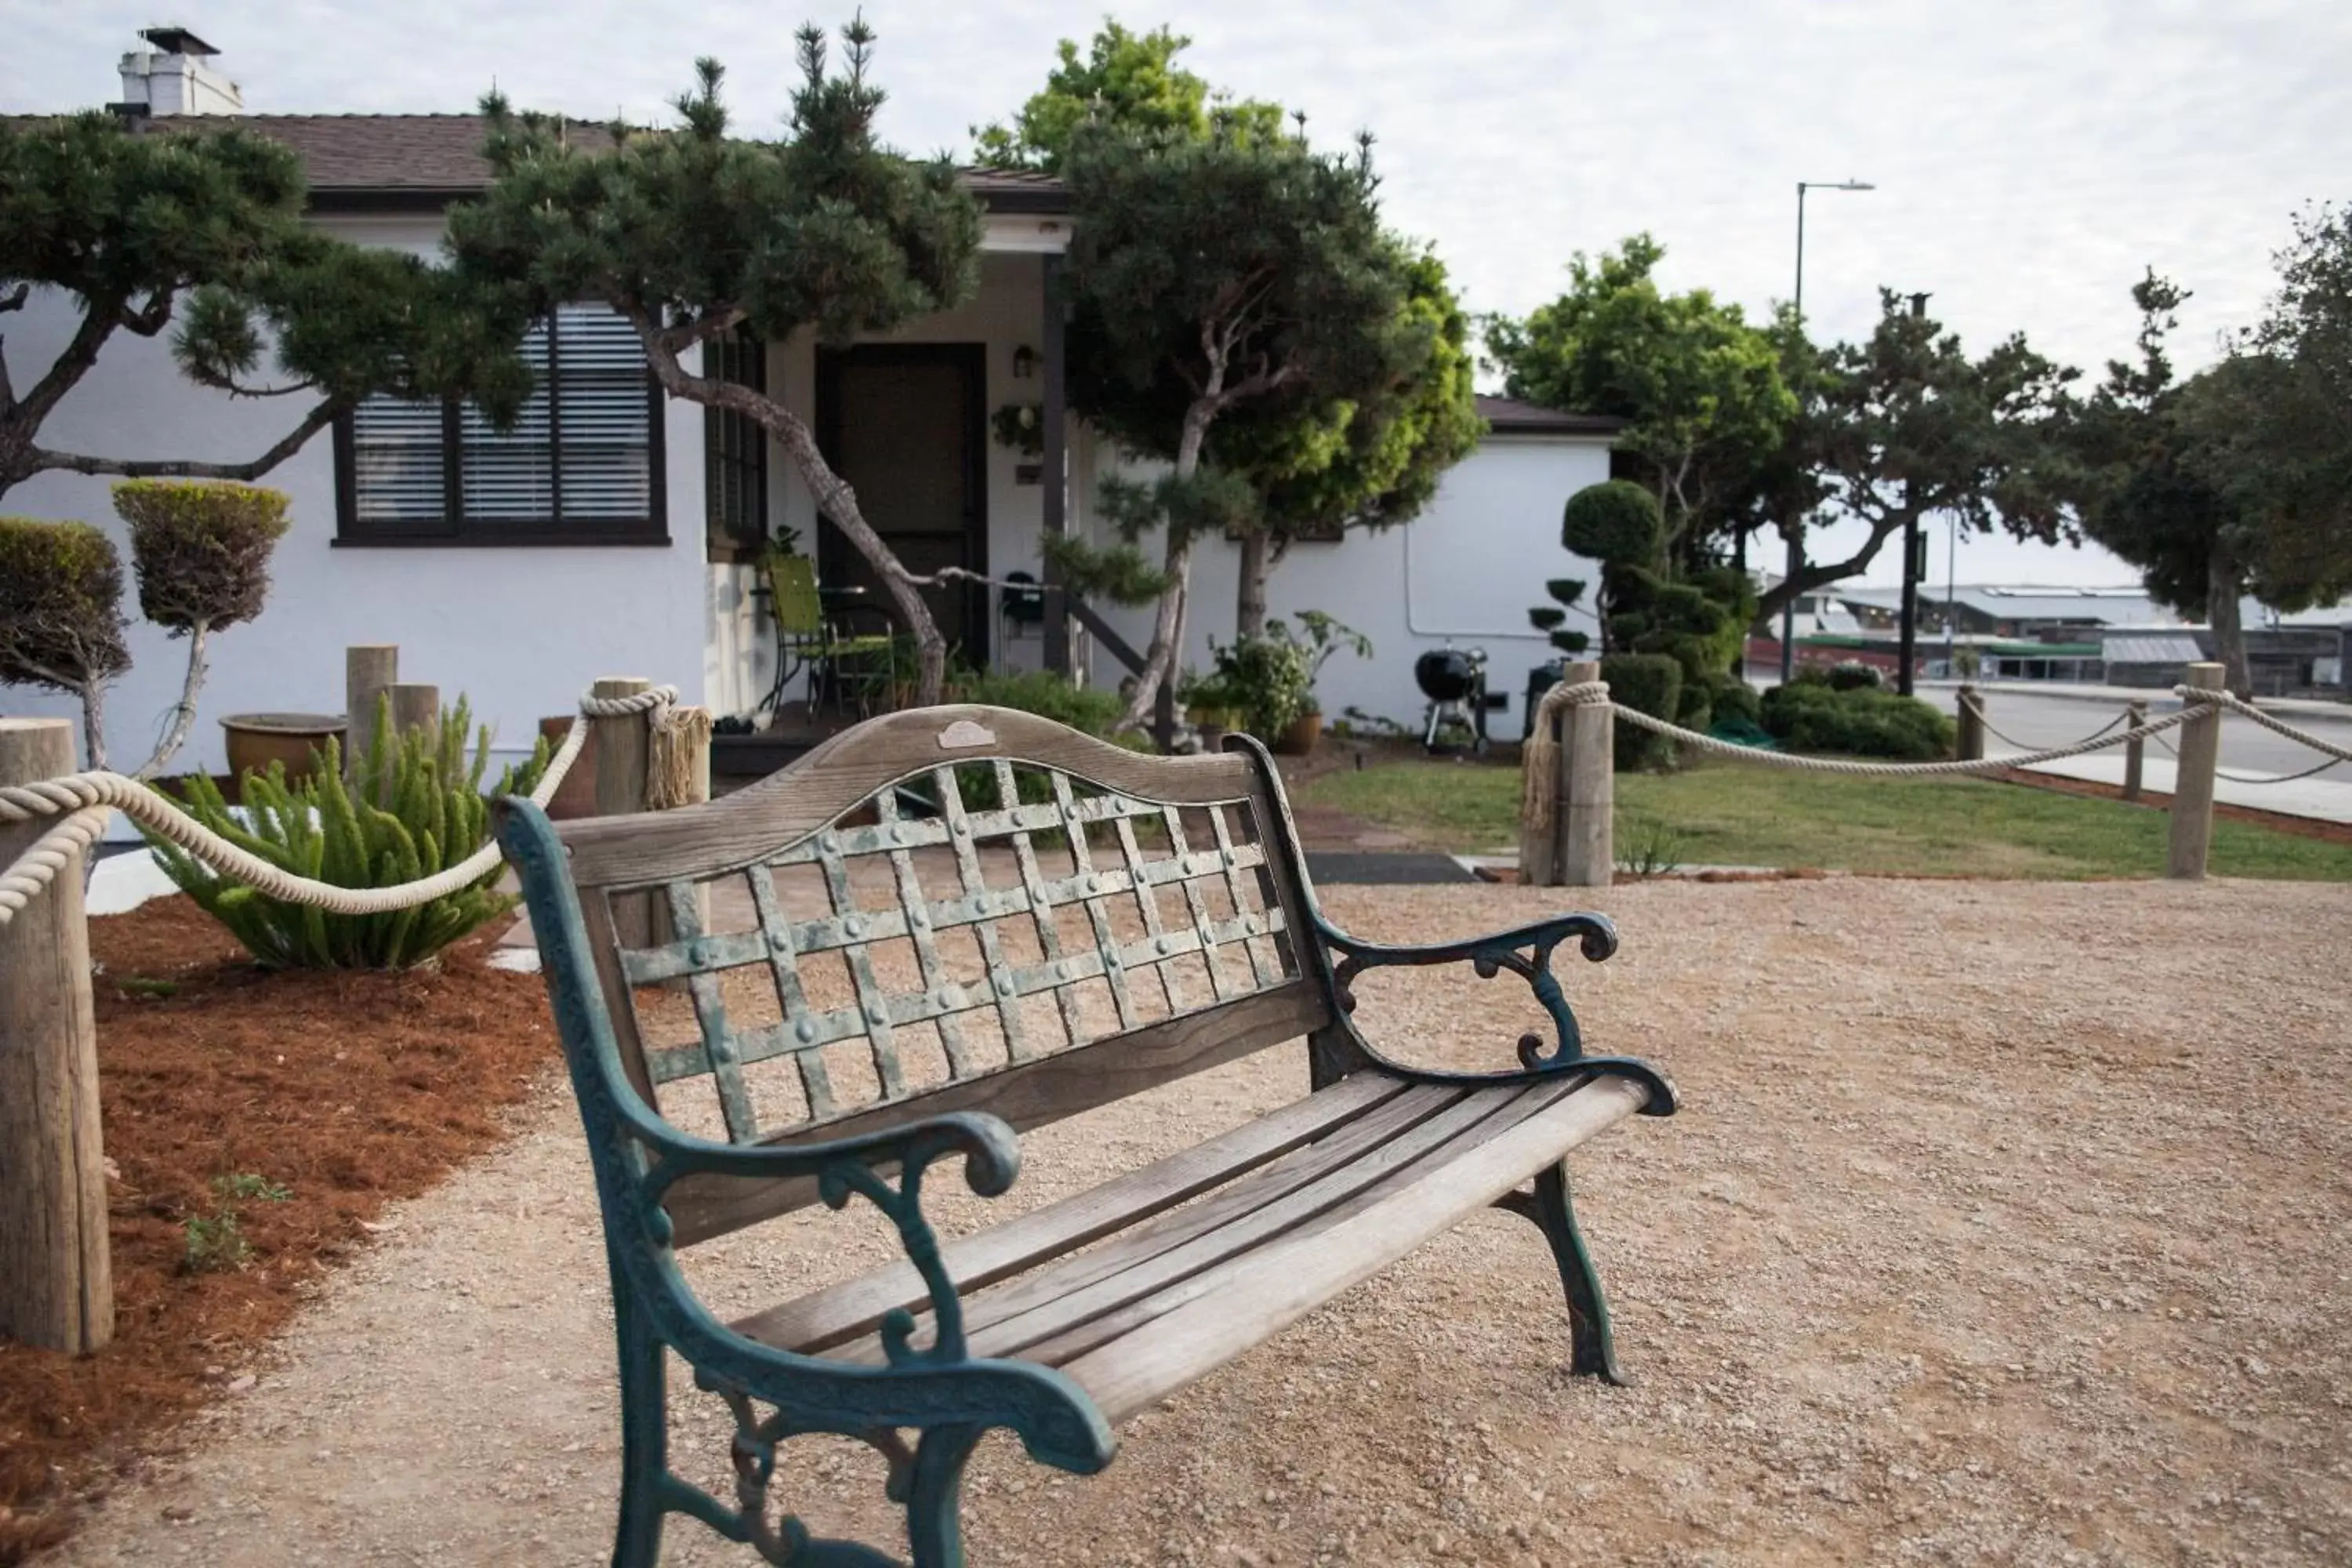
[[293, 441]]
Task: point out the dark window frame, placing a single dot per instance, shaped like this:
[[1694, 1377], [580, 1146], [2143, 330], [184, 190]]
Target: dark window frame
[[735, 445], [453, 529]]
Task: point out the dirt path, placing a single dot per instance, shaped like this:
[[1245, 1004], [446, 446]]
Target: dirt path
[[2005, 1223]]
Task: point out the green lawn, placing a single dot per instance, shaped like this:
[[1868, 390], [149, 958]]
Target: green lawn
[[1724, 813]]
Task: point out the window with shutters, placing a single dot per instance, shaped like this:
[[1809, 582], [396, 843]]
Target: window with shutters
[[582, 465], [735, 453]]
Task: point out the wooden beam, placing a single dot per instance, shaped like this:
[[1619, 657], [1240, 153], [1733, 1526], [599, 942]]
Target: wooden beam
[[370, 669], [57, 1283], [623, 752], [2192, 791], [1587, 815], [1054, 461]]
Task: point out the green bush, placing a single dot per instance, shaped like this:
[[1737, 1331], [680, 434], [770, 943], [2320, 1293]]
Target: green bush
[[1616, 521], [60, 606], [1649, 683], [202, 549], [1737, 703], [1694, 709], [1852, 675], [1269, 680], [1862, 721], [415, 807], [1039, 692]]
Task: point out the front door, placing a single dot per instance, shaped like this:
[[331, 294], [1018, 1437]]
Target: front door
[[902, 422]]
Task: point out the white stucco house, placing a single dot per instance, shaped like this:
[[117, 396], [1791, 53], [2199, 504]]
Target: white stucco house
[[611, 533]]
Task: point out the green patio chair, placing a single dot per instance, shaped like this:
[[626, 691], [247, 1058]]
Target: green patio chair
[[807, 639]]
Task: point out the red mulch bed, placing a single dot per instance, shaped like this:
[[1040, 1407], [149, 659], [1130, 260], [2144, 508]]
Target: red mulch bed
[[349, 1090]]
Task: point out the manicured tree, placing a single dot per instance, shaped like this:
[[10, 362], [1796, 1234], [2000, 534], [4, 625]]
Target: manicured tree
[[1616, 523], [201, 552], [1699, 387], [61, 615], [1370, 462], [1912, 426], [1209, 276], [693, 235], [204, 226]]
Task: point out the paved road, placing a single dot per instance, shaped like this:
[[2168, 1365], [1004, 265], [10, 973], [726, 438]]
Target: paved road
[[2032, 722]]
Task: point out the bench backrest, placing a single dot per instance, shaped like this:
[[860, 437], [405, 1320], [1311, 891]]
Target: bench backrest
[[946, 909]]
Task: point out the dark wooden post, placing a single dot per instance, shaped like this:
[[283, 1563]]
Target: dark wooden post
[[2133, 750], [1971, 723], [57, 1280], [2193, 789], [415, 708], [1587, 816], [623, 749], [370, 669]]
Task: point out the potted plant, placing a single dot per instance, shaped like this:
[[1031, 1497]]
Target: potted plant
[[1265, 681], [1318, 637], [1208, 707]]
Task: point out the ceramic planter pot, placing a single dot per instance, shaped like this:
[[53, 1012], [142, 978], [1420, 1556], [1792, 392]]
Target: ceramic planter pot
[[1304, 733], [258, 739]]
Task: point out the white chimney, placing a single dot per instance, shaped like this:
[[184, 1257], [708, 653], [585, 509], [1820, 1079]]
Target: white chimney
[[172, 77]]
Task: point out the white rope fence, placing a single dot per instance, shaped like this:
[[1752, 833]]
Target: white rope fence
[[1541, 754], [85, 800]]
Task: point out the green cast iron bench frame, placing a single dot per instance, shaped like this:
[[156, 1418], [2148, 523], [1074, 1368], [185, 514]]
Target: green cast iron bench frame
[[1059, 1323]]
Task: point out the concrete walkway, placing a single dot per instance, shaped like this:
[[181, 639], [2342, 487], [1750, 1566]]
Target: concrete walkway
[[2315, 798]]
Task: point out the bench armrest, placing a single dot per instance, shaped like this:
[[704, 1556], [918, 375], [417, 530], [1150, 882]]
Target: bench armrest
[[859, 1165], [1526, 950]]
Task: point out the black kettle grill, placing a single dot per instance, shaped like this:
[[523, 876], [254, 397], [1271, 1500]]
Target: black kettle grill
[[1453, 679]]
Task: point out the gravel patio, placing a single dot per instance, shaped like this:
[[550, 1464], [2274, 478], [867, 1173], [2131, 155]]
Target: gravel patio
[[2004, 1223]]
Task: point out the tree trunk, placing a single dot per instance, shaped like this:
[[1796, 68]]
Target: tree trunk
[[93, 729], [1249, 604], [183, 715], [1168, 626], [834, 496], [2222, 589]]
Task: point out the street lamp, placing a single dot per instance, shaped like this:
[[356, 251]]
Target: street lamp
[[1795, 527]]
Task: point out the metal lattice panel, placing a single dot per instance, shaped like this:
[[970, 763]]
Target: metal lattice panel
[[1045, 898]]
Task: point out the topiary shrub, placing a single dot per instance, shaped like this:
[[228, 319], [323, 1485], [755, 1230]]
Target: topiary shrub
[[1038, 691], [1737, 702], [202, 549], [1613, 520], [1649, 683], [1862, 721], [61, 615], [1852, 675], [417, 807]]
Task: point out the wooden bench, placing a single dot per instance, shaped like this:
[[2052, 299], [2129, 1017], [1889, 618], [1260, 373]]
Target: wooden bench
[[937, 929]]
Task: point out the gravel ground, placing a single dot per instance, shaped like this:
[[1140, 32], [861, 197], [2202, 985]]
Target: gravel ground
[[2003, 1222]]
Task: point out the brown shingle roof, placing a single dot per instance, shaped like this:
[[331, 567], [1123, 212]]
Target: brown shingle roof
[[1509, 416], [349, 156]]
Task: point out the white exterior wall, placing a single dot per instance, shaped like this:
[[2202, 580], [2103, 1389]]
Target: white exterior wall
[[1466, 571], [519, 630], [1006, 313]]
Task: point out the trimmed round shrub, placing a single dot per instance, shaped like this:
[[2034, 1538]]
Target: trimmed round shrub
[[1614, 520], [1648, 683], [202, 549], [1736, 702], [1852, 675], [60, 606], [1859, 721]]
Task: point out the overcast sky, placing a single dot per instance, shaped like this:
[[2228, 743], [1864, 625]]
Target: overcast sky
[[2030, 159]]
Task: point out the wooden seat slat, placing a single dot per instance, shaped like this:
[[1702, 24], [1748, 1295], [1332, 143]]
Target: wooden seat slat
[[1229, 1309], [1174, 1241], [825, 1318]]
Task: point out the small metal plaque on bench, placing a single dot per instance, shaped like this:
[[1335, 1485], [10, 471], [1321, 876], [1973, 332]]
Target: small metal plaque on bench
[[963, 735]]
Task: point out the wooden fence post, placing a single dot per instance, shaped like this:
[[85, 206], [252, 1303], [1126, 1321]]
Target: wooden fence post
[[415, 708], [1971, 724], [2134, 751], [57, 1280], [1587, 815], [624, 751], [370, 669], [2193, 789], [1540, 846]]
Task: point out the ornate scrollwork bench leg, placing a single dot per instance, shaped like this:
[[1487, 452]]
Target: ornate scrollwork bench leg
[[1591, 1351]]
